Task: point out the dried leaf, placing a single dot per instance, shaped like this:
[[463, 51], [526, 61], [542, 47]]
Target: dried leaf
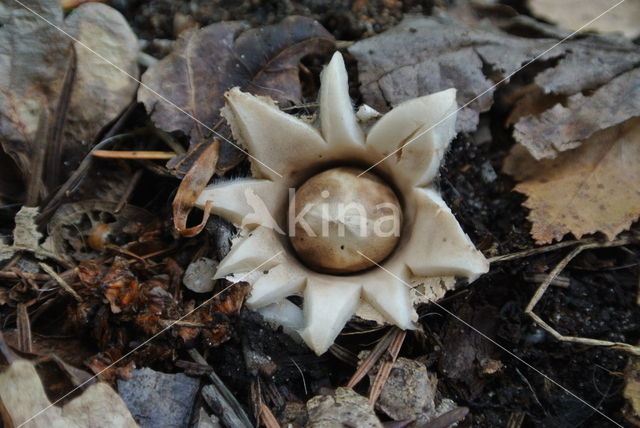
[[37, 57], [207, 62], [591, 62], [26, 237], [565, 127], [425, 55], [574, 14], [22, 396], [190, 188], [593, 188], [26, 233]]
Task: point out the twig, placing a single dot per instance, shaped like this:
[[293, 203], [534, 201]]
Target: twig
[[539, 250], [181, 323], [76, 178], [547, 282], [371, 359], [168, 139], [267, 418], [54, 145], [19, 274], [128, 191], [385, 368], [222, 395], [60, 281], [34, 181], [221, 407], [24, 328], [344, 355], [132, 154], [515, 420]]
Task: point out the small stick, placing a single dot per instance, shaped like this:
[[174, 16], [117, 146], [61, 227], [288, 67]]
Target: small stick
[[128, 191], [539, 250], [24, 328], [132, 154], [180, 323], [385, 368], [60, 281], [222, 394], [547, 282], [371, 359], [267, 418], [19, 274], [34, 182]]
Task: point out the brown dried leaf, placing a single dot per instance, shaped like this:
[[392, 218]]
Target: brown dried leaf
[[37, 57], [207, 62], [593, 188], [574, 14], [22, 396], [425, 55], [191, 186]]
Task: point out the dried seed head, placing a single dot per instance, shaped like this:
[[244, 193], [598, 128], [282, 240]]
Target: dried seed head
[[338, 214]]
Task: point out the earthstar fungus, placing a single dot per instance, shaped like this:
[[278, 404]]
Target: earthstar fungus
[[320, 198]]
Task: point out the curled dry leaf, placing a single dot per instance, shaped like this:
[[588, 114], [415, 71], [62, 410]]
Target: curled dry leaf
[[207, 62], [37, 61], [22, 397], [190, 188], [425, 55], [593, 188]]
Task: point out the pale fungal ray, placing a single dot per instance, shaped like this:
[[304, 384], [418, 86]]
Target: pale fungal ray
[[432, 243], [338, 120], [278, 139], [278, 283], [391, 298], [284, 314], [247, 202], [328, 305], [253, 250], [419, 132], [438, 246]]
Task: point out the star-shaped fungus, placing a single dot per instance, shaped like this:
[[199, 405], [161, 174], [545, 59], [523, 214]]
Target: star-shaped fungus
[[341, 215]]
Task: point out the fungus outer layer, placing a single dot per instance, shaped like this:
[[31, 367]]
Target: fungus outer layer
[[406, 145]]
